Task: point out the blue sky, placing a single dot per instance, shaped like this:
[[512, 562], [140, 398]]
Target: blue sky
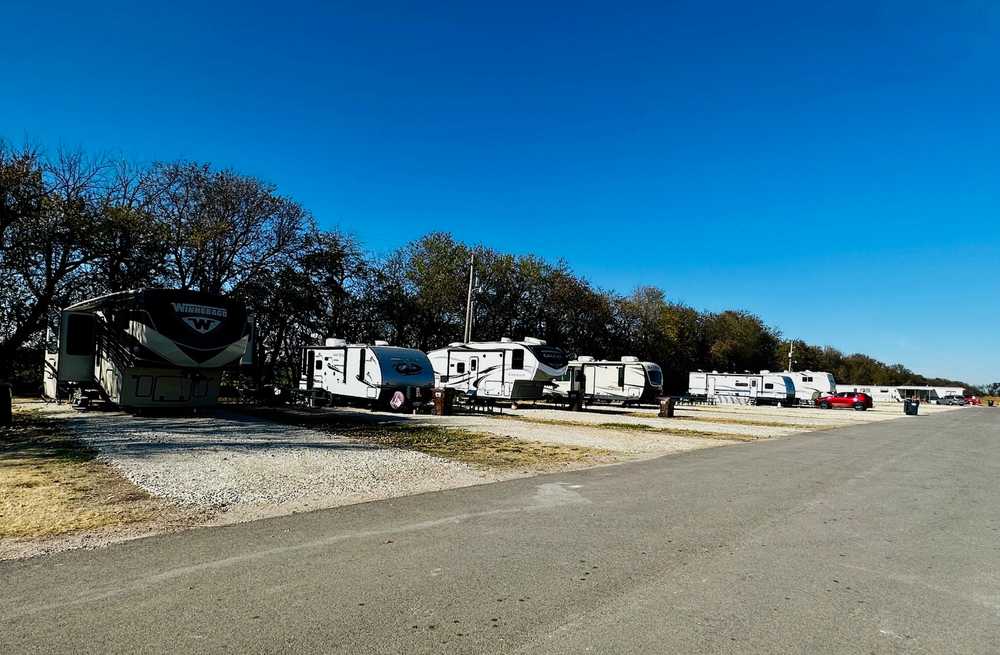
[[836, 170]]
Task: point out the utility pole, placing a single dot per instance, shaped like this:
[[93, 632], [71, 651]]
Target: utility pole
[[468, 302], [791, 349]]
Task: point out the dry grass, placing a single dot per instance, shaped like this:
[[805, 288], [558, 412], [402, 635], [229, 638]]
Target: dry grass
[[457, 444], [51, 485], [486, 450], [639, 427]]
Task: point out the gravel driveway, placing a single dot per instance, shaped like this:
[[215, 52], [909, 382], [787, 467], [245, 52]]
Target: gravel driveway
[[252, 468]]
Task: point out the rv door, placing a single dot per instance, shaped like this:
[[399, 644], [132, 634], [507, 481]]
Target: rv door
[[77, 343]]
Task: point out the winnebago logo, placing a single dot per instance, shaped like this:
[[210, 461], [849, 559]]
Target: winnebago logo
[[200, 318]]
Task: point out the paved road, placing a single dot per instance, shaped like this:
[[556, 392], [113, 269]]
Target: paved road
[[877, 539]]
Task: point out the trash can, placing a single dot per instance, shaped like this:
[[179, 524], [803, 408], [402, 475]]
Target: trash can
[[442, 401], [6, 403], [989, 403], [667, 407], [911, 406]]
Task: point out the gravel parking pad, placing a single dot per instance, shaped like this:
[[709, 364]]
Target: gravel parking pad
[[253, 468]]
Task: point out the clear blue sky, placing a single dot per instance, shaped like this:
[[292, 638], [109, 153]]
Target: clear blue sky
[[836, 170]]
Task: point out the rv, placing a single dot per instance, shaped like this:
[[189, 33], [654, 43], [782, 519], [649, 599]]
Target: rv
[[757, 388], [627, 381], [380, 374], [810, 385], [503, 370], [149, 348]]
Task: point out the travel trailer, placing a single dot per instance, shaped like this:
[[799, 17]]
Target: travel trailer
[[503, 370], [809, 385], [149, 348], [627, 381], [763, 388], [380, 374]]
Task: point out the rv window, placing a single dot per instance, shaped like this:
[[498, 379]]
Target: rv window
[[621, 377], [806, 378], [472, 364], [80, 334], [768, 386], [361, 364], [754, 383], [517, 359], [742, 384], [460, 367], [144, 386], [319, 364]]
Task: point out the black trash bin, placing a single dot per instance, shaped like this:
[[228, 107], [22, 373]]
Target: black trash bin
[[6, 403], [910, 406]]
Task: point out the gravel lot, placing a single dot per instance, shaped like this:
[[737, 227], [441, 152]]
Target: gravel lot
[[240, 468], [252, 468]]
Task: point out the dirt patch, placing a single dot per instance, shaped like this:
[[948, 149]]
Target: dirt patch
[[51, 486]]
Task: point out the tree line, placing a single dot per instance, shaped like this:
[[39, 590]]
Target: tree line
[[74, 226]]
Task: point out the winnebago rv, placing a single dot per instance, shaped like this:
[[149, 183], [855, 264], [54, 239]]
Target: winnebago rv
[[627, 381], [150, 347], [809, 385], [377, 374], [499, 370], [756, 388]]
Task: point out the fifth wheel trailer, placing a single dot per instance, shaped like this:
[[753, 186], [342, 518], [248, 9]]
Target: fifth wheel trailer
[[503, 370], [150, 348], [757, 388], [627, 380], [378, 374]]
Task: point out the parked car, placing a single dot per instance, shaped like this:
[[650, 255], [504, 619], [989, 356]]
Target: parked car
[[951, 400], [973, 400], [856, 400]]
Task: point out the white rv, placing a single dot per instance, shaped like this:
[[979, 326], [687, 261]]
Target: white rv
[[757, 388], [499, 370], [149, 348], [627, 381], [809, 385], [378, 374]]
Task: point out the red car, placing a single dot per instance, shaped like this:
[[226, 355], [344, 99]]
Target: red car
[[859, 401]]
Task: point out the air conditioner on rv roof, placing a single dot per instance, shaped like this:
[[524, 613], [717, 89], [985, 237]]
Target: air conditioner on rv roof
[[630, 358], [336, 343], [534, 341]]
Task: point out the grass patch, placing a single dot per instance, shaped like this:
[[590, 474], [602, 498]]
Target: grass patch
[[50, 484], [487, 450], [640, 427], [458, 444]]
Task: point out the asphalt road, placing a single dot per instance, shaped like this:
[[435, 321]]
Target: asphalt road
[[883, 538]]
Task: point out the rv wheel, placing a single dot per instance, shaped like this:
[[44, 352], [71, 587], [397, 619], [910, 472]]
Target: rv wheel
[[397, 401]]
